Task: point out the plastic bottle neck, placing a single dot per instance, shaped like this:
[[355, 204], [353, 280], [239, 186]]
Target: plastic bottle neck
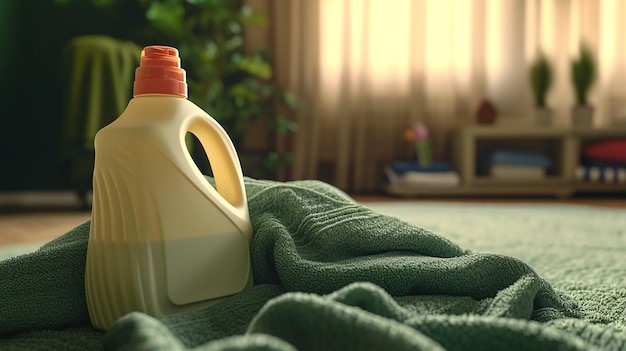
[[160, 73]]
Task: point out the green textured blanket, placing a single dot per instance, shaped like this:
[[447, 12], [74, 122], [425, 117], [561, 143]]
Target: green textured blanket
[[331, 274]]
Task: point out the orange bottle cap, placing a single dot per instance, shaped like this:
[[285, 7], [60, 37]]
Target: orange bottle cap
[[159, 72]]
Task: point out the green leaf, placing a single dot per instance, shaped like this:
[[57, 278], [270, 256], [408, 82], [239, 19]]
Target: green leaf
[[241, 90], [234, 42], [272, 160], [234, 27], [166, 16], [248, 16], [197, 2], [254, 65], [283, 125], [292, 100], [211, 50]]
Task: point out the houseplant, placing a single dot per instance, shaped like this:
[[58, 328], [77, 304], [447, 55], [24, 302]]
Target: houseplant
[[540, 79], [583, 75], [230, 82]]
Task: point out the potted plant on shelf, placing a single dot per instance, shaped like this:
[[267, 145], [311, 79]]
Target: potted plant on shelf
[[583, 75], [540, 80]]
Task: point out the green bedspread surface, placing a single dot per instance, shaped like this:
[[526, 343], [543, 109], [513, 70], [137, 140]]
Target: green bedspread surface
[[331, 274]]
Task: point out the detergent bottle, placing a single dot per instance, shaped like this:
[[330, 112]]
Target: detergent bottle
[[162, 238]]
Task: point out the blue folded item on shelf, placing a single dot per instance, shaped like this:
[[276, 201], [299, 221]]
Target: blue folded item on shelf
[[519, 158], [400, 167]]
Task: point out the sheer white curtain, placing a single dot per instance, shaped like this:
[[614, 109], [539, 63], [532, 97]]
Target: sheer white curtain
[[370, 69], [558, 28]]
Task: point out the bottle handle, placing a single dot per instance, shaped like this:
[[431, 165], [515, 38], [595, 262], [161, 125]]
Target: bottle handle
[[220, 151]]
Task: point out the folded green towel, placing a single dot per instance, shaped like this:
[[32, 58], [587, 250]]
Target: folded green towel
[[329, 274], [99, 73]]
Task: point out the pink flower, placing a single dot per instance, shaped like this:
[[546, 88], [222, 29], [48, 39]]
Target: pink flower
[[416, 133]]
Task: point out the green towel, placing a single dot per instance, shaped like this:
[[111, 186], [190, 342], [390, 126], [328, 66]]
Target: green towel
[[98, 72], [330, 274]]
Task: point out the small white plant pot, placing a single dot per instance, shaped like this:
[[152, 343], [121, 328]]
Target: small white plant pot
[[582, 116], [542, 116]]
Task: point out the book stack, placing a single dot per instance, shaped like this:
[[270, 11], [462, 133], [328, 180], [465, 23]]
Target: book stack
[[518, 165], [413, 175]]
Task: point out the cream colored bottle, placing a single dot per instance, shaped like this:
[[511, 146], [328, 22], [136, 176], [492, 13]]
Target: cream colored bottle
[[162, 239]]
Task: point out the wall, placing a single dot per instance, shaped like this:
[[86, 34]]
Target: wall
[[32, 35]]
